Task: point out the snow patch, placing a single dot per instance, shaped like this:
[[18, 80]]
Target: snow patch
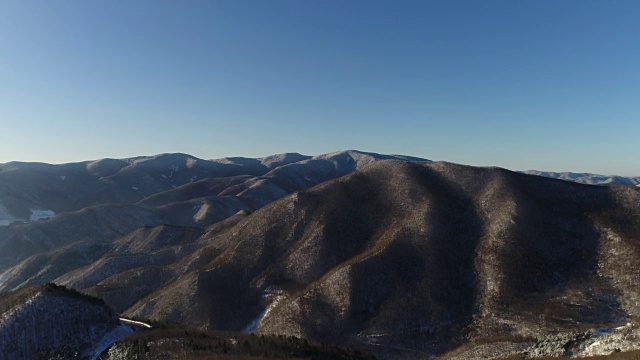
[[109, 339], [623, 327], [62, 177], [134, 188], [37, 214], [277, 296], [202, 213], [193, 178], [134, 323], [4, 277]]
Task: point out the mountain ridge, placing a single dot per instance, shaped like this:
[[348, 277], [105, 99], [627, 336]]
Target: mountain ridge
[[588, 178], [356, 249]]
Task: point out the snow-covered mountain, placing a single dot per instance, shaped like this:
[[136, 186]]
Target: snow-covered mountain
[[586, 178]]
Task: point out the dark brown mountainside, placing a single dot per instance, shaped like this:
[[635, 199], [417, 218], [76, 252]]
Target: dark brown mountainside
[[420, 257]]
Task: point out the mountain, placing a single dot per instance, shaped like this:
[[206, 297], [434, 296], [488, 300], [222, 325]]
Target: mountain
[[591, 179], [170, 189], [420, 257], [392, 255], [30, 191], [49, 321], [54, 322]]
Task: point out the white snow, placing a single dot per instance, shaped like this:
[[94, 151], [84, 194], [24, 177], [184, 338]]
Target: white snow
[[37, 214], [164, 176], [62, 177], [202, 213], [593, 345], [136, 323], [134, 188], [623, 326], [307, 178], [193, 178], [109, 339], [254, 324], [3, 277]]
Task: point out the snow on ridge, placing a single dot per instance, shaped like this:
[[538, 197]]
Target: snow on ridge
[[109, 339], [4, 277]]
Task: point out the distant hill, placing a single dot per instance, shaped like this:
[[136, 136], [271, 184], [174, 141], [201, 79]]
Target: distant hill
[[52, 206], [591, 179], [29, 191]]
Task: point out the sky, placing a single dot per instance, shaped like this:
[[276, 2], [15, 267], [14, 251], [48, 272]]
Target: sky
[[529, 84]]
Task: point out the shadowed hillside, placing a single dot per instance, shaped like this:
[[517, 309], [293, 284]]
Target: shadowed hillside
[[53, 206], [50, 322], [418, 256], [396, 258]]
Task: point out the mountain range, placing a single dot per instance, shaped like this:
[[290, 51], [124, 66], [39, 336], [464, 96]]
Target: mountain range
[[591, 179], [392, 255]]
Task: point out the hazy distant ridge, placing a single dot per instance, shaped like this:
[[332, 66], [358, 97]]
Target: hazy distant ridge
[[586, 178]]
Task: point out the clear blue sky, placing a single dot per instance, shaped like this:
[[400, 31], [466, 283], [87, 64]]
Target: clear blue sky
[[549, 85]]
